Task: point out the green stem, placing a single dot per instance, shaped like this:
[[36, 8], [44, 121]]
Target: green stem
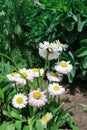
[[2, 63], [30, 123], [45, 67], [15, 65], [72, 107], [38, 82], [48, 65], [58, 59]]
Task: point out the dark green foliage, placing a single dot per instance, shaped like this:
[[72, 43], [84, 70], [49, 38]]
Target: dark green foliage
[[25, 23]]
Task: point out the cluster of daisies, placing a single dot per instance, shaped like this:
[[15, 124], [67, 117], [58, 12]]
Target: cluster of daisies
[[38, 97]]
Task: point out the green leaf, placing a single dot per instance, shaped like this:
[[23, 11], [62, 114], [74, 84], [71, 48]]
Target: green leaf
[[15, 114], [70, 26], [81, 24], [71, 75], [84, 74], [71, 123], [85, 108], [4, 125], [18, 29], [10, 127], [54, 127], [83, 42], [26, 127], [7, 68], [1, 95], [74, 127], [39, 126], [81, 52], [84, 63], [6, 113], [18, 125]]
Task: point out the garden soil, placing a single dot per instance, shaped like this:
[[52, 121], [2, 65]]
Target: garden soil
[[76, 93]]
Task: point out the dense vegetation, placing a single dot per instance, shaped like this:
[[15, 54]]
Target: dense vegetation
[[24, 24]]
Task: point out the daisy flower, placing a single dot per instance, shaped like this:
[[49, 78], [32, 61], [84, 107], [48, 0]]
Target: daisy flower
[[20, 81], [55, 89], [18, 85], [46, 118], [54, 76], [37, 72], [26, 73], [19, 101], [37, 98], [50, 49], [63, 67], [61, 46], [12, 76]]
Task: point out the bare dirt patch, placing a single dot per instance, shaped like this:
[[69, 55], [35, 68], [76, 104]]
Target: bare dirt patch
[[77, 93]]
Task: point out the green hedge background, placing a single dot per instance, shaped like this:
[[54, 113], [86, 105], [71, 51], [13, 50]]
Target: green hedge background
[[26, 23]]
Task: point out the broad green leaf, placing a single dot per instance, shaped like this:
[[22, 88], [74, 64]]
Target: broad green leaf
[[71, 75], [84, 63], [7, 68], [81, 24], [39, 126], [81, 52], [4, 125], [83, 42], [26, 127], [10, 127], [84, 74], [1, 95], [70, 26], [6, 113], [74, 127], [18, 125], [15, 114], [40, 5], [54, 127]]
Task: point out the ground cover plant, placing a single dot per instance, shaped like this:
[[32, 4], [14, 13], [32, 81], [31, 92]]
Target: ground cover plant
[[30, 102]]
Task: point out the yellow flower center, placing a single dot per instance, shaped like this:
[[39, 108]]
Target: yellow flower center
[[19, 100], [18, 84], [46, 118], [56, 87], [37, 95], [54, 74], [64, 64], [35, 70], [24, 74], [59, 43], [13, 74]]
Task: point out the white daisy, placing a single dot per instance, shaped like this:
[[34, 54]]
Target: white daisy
[[50, 49], [12, 76], [18, 85], [63, 67], [26, 73], [19, 101], [61, 46], [46, 118], [54, 76], [55, 89], [37, 72], [37, 98], [16, 77]]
